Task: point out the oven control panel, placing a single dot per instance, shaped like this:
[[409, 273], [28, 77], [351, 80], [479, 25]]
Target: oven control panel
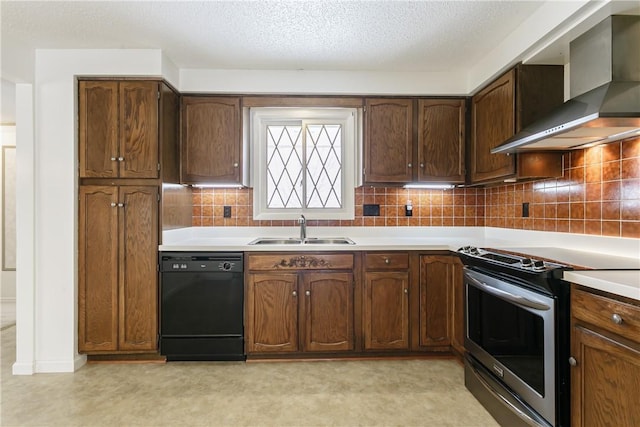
[[513, 261]]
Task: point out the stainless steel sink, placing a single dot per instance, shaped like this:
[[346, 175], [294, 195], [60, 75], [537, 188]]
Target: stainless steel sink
[[308, 240], [275, 241], [329, 241]]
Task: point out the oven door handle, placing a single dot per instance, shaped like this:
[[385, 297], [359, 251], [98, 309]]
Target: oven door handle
[[519, 412], [516, 299]]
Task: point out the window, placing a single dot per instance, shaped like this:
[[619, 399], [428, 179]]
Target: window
[[304, 162]]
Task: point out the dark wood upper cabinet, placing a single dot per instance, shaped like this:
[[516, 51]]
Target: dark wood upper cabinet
[[414, 140], [388, 136], [118, 129], [211, 140], [512, 102], [441, 140]]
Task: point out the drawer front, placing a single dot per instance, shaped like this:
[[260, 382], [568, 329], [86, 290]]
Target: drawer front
[[298, 261], [618, 317], [386, 261]]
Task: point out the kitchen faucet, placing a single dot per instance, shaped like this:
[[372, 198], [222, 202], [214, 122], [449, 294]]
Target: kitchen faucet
[[303, 227]]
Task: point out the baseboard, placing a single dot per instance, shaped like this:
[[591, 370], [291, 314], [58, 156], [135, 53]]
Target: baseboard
[[57, 366], [23, 368]]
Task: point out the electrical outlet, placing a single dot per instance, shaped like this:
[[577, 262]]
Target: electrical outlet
[[525, 210], [371, 210], [227, 211]]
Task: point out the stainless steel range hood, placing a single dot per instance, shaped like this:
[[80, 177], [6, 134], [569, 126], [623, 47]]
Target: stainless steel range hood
[[605, 92]]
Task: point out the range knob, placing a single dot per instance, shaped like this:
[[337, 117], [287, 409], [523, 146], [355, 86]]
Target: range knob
[[474, 251], [226, 266], [526, 262], [538, 265]]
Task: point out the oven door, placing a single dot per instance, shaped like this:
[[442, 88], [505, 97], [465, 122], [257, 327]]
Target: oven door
[[510, 331]]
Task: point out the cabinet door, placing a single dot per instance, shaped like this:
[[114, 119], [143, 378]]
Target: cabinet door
[[327, 312], [492, 123], [441, 140], [436, 279], [605, 383], [211, 143], [388, 141], [98, 129], [386, 310], [272, 313], [98, 269], [138, 293], [139, 129], [457, 308]]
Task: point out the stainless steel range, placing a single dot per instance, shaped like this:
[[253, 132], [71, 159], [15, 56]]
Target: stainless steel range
[[517, 337]]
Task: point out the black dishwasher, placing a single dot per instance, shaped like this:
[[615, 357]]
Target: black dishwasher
[[201, 307]]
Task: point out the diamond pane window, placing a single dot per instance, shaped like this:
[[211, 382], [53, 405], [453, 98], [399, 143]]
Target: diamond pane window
[[284, 166], [324, 166], [303, 162]]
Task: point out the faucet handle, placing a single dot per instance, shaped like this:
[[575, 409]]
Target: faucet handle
[[302, 220]]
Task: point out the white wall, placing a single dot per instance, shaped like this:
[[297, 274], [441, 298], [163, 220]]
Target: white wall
[[54, 173]]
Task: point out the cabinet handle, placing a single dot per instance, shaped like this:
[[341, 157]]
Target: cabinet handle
[[114, 204], [294, 293], [406, 291], [573, 361], [617, 319], [235, 165], [307, 293], [387, 261]]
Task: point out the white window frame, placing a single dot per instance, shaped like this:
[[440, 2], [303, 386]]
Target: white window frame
[[348, 118]]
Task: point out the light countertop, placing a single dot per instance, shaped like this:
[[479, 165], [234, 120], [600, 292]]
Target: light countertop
[[620, 282]]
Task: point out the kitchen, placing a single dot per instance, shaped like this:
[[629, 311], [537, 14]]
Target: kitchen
[[52, 326]]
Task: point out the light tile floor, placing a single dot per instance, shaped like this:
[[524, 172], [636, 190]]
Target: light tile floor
[[328, 393]]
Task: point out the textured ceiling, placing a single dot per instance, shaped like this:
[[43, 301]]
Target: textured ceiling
[[290, 35]]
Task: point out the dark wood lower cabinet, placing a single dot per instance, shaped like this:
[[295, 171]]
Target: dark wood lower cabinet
[[117, 257], [352, 304], [305, 308], [386, 310], [605, 359], [272, 313], [327, 312], [605, 383]]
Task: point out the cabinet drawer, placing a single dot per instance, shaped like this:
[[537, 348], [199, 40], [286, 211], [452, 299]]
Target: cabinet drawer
[[386, 261], [601, 311], [297, 261]]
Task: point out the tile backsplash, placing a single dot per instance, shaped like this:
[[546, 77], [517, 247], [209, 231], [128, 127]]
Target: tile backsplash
[[599, 194]]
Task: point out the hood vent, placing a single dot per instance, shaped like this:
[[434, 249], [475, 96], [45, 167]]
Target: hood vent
[[605, 92]]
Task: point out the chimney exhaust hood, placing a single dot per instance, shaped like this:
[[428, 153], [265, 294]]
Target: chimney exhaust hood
[[605, 93]]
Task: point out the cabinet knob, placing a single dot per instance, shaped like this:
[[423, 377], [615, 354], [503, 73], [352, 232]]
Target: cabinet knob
[[387, 261], [114, 204], [121, 205], [113, 159], [617, 319], [406, 291], [121, 159], [307, 293], [294, 293], [573, 361], [421, 165], [410, 165], [235, 165]]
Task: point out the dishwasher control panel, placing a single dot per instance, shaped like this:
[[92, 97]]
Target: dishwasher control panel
[[209, 262]]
